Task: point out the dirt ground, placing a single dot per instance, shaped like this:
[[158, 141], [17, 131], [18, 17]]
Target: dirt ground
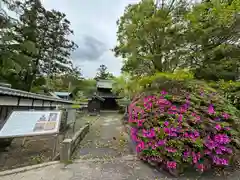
[[37, 149]]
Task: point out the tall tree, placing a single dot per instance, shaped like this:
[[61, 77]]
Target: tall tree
[[103, 73], [150, 36], [167, 35], [43, 35], [213, 40], [12, 61]]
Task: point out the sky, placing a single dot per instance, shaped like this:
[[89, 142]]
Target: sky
[[94, 26]]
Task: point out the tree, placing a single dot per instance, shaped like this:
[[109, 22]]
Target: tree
[[103, 73], [213, 36], [41, 37], [203, 37], [125, 86], [150, 36], [49, 31], [12, 61]]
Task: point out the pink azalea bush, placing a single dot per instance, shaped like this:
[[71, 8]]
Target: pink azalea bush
[[184, 127]]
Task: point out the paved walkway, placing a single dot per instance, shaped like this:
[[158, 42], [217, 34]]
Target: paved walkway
[[104, 155], [105, 140]]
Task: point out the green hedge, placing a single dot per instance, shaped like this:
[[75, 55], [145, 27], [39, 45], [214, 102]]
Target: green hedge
[[230, 90]]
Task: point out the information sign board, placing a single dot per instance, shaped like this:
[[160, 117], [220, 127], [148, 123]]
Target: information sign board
[[30, 123]]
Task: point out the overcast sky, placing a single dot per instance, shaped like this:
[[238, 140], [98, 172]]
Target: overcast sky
[[94, 25]]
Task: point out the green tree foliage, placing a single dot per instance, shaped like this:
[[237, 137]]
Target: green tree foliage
[[40, 41], [213, 36], [102, 73], [150, 36], [168, 35], [11, 61], [122, 86]]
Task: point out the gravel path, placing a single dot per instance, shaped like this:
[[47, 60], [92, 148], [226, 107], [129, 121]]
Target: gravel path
[[105, 140]]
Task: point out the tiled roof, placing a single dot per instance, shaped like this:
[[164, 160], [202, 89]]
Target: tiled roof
[[62, 93], [19, 93]]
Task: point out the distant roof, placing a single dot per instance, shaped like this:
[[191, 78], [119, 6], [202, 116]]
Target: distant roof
[[97, 97], [20, 93], [105, 80], [104, 83], [62, 93], [106, 94]]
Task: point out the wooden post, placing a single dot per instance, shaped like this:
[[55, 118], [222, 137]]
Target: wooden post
[[55, 145], [65, 150]]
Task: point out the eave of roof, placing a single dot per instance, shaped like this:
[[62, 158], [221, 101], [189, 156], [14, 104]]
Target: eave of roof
[[19, 93]]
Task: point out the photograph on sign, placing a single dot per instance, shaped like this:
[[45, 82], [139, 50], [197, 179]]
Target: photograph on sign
[[29, 123]]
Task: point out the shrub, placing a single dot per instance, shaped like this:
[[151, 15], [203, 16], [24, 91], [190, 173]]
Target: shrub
[[181, 124], [230, 90]]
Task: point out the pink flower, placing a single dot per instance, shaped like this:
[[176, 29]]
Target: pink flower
[[218, 127], [173, 129], [211, 109], [196, 133], [207, 152], [184, 108], [194, 158], [186, 135], [220, 161], [227, 128], [222, 139], [166, 130], [140, 146], [172, 112], [218, 151], [171, 150], [198, 118], [163, 102], [192, 137], [134, 137], [149, 133], [161, 142], [173, 134], [166, 123], [163, 92], [140, 123], [225, 149], [186, 154], [225, 115], [173, 108], [198, 155], [200, 167], [180, 118], [171, 164], [210, 144]]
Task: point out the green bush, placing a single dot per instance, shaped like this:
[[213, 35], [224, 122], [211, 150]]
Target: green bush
[[230, 90], [178, 124]]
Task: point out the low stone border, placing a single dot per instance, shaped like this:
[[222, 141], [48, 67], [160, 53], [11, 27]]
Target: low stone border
[[127, 135], [120, 158], [68, 146], [27, 168]]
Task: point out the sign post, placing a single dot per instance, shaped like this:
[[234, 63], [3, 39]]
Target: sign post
[[32, 123]]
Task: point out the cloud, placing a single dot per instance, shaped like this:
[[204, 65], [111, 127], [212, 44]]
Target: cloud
[[89, 68], [94, 26], [89, 49]]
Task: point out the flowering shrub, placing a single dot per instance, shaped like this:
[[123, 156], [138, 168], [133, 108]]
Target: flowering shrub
[[186, 124]]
